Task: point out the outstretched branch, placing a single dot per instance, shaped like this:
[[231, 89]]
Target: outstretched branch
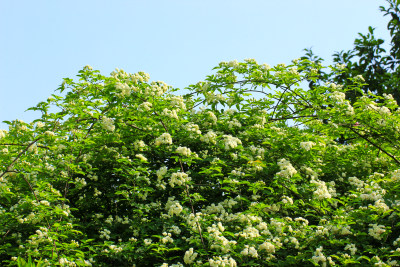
[[375, 145]]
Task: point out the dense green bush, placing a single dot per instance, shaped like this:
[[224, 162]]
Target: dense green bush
[[126, 172]]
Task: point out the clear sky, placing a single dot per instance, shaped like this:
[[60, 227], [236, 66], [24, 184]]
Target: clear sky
[[176, 41]]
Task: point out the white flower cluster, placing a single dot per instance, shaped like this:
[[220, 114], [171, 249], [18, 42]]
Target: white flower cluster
[[238, 173], [157, 89], [165, 138], [115, 248], [212, 117], [287, 170], [319, 257], [372, 192], [49, 133], [233, 64], [230, 112], [178, 178], [380, 110], [97, 192], [286, 199], [192, 220], [107, 124], [219, 242], [120, 74], [190, 256], [338, 96], [139, 145], [381, 206], [161, 172], [356, 182], [249, 233], [307, 145], [211, 97], [210, 137], [175, 229], [178, 102], [170, 113], [396, 242], [376, 231], [66, 262], [2, 133], [396, 175], [340, 66], [145, 106], [45, 202], [184, 151], [167, 238], [80, 182], [267, 246], [214, 209], [265, 67], [231, 142], [352, 248], [294, 71], [249, 251], [105, 233], [389, 98], [359, 78], [173, 207], [141, 157], [250, 60], [222, 261], [257, 151], [322, 191], [124, 89], [234, 123], [192, 128], [33, 148]]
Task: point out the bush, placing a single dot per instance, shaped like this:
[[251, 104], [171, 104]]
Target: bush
[[126, 172]]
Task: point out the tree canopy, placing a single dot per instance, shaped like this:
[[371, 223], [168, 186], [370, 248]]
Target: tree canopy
[[369, 58], [243, 170]]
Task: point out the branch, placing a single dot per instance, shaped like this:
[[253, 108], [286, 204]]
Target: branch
[[11, 144], [375, 145], [191, 205], [8, 169]]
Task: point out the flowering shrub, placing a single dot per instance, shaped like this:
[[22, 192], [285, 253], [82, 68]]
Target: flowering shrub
[[127, 173]]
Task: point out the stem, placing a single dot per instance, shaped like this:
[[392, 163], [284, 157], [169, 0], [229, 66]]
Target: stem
[[8, 169], [191, 205], [375, 145]]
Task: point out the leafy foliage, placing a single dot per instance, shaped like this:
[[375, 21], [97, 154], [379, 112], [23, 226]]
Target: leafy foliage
[[239, 171], [368, 58]]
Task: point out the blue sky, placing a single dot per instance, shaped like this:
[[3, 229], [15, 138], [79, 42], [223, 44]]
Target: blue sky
[[176, 41]]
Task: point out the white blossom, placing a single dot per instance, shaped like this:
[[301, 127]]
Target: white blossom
[[107, 124], [145, 106], [352, 248], [178, 178], [307, 145], [231, 142], [267, 246], [173, 207], [165, 138], [190, 256], [209, 137], [376, 231], [287, 170], [184, 151], [319, 256]]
